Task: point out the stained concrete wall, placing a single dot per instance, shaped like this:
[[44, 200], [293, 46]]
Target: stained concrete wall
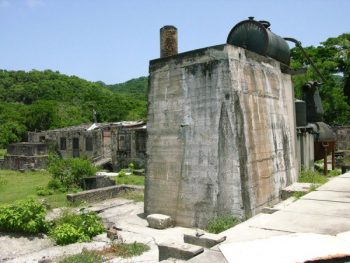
[[221, 134]]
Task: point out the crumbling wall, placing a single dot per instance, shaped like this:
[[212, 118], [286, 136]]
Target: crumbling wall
[[221, 134]]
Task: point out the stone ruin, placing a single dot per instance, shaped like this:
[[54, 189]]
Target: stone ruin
[[221, 134]]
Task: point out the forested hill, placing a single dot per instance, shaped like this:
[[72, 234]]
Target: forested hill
[[137, 88], [41, 100]]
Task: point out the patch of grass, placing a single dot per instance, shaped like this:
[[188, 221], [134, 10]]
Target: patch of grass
[[85, 256], [17, 185], [314, 177], [2, 153], [124, 250], [222, 223], [130, 179], [137, 196], [333, 173]]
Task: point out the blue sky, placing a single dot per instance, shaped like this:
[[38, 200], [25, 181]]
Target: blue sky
[[113, 40]]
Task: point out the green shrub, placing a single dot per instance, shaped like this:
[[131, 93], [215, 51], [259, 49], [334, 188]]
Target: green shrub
[[131, 167], [121, 173], [66, 233], [71, 228], [333, 173], [308, 176], [24, 216], [85, 256], [43, 191], [70, 172], [222, 223]]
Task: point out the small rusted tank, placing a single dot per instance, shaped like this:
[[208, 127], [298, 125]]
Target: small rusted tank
[[324, 141], [257, 37]]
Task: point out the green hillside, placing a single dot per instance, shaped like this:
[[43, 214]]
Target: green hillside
[[136, 88], [41, 100]]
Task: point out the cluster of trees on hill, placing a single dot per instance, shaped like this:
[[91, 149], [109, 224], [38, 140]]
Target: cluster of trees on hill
[[41, 100]]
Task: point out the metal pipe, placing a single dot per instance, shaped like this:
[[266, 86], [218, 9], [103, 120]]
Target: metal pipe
[[298, 44]]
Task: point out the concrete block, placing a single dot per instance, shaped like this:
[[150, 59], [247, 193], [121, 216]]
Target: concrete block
[[159, 221], [207, 240], [179, 251], [296, 187]]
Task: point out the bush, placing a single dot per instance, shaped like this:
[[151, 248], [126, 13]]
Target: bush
[[308, 176], [70, 172], [43, 191], [25, 216], [222, 223], [67, 234], [71, 228], [85, 256]]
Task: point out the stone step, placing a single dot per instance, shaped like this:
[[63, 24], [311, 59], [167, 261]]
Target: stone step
[[206, 240], [296, 187], [178, 251], [279, 206]]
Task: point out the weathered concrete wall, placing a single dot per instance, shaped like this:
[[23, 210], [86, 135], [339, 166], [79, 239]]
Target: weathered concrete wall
[[221, 134], [81, 134], [305, 148], [128, 145], [343, 138]]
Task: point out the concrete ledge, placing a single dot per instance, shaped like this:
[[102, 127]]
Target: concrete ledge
[[207, 240], [102, 193], [179, 251], [296, 187]]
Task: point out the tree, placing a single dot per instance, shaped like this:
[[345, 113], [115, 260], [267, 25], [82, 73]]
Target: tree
[[332, 60]]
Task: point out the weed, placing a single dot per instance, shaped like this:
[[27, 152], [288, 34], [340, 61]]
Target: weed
[[85, 256], [137, 196], [308, 176], [124, 250], [130, 179], [222, 223]]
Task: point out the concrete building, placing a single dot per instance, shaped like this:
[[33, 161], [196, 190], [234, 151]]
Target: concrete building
[[129, 145], [25, 156], [117, 143], [221, 134]]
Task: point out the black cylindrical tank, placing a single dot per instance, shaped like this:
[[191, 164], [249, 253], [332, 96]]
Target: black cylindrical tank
[[300, 113], [257, 37]]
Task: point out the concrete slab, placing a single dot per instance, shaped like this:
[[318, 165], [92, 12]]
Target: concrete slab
[[206, 240], [346, 175], [264, 250], [303, 223], [178, 250], [295, 187], [209, 256], [331, 196], [316, 207], [338, 184]]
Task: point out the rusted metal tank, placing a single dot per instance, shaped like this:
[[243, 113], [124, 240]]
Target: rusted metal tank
[[257, 37], [324, 144]]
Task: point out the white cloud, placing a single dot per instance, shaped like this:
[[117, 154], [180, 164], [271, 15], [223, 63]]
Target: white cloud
[[33, 3]]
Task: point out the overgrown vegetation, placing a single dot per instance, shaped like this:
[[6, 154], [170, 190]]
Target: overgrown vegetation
[[2, 153], [68, 173], [130, 179], [24, 216], [222, 223], [123, 250], [314, 177], [85, 256], [71, 228]]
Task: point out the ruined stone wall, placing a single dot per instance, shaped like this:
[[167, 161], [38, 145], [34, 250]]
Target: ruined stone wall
[[221, 134], [123, 155], [343, 138], [56, 135]]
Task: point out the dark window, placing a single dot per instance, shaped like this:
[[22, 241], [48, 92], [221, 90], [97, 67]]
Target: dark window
[[88, 144], [42, 139], [63, 144], [141, 141], [121, 143]]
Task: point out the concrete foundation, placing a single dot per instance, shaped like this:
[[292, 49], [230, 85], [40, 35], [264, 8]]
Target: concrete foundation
[[221, 134]]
